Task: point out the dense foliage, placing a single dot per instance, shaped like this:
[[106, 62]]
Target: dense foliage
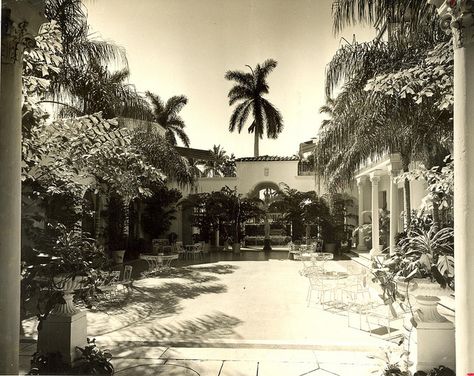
[[224, 209]]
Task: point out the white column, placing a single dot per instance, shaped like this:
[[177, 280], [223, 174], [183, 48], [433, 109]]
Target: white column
[[14, 36], [464, 197], [361, 182], [375, 214], [394, 214], [10, 202], [460, 20]]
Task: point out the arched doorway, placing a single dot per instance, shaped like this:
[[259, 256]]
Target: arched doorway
[[275, 231]]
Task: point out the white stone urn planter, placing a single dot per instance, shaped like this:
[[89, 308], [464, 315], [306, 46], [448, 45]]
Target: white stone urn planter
[[67, 285], [432, 339], [117, 256], [424, 295]]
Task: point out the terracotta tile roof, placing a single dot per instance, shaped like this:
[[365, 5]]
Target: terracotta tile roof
[[198, 154], [267, 158]]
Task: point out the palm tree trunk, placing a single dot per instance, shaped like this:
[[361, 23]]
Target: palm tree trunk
[[255, 144]]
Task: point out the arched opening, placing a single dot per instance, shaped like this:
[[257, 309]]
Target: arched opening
[[272, 230]]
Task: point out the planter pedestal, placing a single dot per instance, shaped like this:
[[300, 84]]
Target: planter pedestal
[[267, 245], [236, 248], [432, 344], [432, 339], [62, 334], [65, 327]]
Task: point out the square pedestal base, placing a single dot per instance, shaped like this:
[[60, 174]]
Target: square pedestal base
[[432, 344], [62, 334]]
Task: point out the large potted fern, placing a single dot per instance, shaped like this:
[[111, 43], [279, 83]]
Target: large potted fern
[[424, 267]]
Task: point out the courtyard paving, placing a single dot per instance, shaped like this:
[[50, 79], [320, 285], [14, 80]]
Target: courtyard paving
[[228, 318]]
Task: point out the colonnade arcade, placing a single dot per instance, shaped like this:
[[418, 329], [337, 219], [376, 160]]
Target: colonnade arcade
[[377, 189]]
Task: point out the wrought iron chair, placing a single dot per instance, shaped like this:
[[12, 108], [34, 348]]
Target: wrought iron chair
[[325, 289], [109, 282]]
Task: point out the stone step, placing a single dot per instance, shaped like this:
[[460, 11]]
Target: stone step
[[347, 346], [362, 258]]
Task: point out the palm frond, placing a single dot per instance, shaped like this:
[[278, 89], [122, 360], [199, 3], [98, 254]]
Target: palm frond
[[181, 134], [156, 102], [242, 78], [175, 104], [84, 51], [274, 120], [239, 116], [239, 92], [409, 14]]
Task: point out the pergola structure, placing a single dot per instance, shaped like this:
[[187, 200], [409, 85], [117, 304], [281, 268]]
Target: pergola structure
[[20, 22]]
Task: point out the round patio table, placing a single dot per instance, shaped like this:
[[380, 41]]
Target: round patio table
[[321, 257], [333, 275]]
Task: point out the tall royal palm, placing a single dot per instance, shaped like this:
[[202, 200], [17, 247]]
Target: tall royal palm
[[167, 116], [248, 92]]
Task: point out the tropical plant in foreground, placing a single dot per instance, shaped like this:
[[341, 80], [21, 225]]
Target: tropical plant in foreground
[[93, 361], [59, 255], [248, 92], [428, 254], [440, 186]]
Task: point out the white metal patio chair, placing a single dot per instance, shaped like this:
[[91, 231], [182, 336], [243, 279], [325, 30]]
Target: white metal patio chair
[[158, 245], [179, 249], [325, 289], [196, 250], [125, 284], [108, 285], [294, 252], [374, 316]]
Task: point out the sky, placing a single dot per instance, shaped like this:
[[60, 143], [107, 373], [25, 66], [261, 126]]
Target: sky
[[185, 47]]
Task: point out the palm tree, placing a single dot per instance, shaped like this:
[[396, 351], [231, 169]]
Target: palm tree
[[164, 156], [215, 166], [401, 16], [249, 90], [366, 125], [80, 48], [167, 116], [92, 88]]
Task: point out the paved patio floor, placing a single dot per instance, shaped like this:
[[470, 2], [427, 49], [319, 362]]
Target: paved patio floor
[[228, 318]]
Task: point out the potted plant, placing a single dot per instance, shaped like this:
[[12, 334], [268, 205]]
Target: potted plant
[[428, 254], [423, 266], [65, 260], [118, 250]]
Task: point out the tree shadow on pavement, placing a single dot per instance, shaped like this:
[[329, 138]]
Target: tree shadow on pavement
[[199, 274], [146, 303], [195, 332]]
